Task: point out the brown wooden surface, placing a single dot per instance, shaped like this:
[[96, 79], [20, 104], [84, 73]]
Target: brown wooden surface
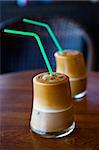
[[15, 110]]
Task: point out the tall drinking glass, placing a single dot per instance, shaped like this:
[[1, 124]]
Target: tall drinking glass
[[52, 113], [71, 63]]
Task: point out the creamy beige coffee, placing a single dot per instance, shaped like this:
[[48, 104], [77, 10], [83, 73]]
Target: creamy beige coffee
[[52, 105], [71, 62]]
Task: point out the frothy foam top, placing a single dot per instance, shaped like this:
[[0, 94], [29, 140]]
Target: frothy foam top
[[70, 53], [47, 78]]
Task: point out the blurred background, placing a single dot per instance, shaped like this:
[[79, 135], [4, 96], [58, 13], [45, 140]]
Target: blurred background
[[75, 24]]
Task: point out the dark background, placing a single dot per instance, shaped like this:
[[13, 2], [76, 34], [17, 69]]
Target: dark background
[[84, 13]]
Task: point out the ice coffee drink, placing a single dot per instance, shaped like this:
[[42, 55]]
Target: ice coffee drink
[[52, 114], [71, 62]]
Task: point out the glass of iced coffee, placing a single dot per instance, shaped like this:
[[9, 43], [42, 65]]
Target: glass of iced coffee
[[71, 62], [52, 113]]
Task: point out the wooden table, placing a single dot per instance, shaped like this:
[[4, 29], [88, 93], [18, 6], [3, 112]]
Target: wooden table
[[15, 110]]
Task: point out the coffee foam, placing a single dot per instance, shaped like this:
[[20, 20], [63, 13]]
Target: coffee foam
[[70, 52], [47, 78]]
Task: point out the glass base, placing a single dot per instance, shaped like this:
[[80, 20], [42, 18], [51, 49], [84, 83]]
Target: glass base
[[79, 96], [55, 134]]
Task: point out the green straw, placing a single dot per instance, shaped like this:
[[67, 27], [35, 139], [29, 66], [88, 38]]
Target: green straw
[[39, 43], [48, 29]]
